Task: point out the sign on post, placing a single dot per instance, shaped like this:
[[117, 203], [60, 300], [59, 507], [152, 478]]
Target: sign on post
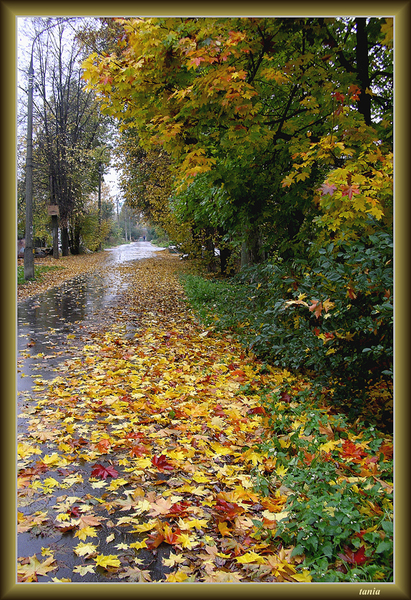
[[53, 210]]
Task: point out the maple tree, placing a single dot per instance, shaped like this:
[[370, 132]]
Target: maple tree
[[234, 101]]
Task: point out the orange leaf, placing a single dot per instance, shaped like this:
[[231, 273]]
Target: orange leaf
[[223, 529]]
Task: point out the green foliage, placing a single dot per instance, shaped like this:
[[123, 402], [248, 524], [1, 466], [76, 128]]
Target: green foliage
[[334, 501], [92, 234], [333, 319]]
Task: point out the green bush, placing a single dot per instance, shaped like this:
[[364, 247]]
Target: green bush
[[333, 319], [331, 504]]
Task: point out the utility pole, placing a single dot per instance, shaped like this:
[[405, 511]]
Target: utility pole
[[100, 172], [28, 250]]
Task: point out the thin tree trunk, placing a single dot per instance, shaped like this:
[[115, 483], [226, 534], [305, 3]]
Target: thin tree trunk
[[251, 249], [55, 231], [64, 241], [364, 103]]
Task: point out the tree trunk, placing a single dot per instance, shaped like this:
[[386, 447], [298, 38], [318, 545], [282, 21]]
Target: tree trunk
[[209, 249], [251, 249], [225, 255], [64, 241], [75, 237], [364, 103], [55, 231]]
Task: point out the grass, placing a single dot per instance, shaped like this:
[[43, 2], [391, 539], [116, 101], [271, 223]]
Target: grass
[[39, 271]]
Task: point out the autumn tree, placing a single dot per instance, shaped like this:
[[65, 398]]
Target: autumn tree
[[237, 101], [146, 181], [68, 127]]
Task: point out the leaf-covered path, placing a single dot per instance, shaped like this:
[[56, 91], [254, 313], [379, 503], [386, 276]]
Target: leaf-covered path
[[137, 461]]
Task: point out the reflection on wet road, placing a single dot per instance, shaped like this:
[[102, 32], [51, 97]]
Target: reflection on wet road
[[51, 328], [49, 325]]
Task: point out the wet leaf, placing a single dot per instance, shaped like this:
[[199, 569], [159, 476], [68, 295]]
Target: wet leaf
[[29, 569], [107, 561], [104, 472]]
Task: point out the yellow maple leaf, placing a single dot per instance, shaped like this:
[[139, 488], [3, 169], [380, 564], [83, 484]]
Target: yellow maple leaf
[[106, 561], [24, 450], [116, 483], [269, 515], [86, 532], [280, 516], [29, 572], [63, 517], [253, 457], [220, 449], [330, 445], [281, 471], [98, 484], [83, 570], [139, 545], [176, 454], [200, 478], [83, 549], [302, 577], [173, 559], [223, 529], [251, 557], [193, 523], [186, 541], [145, 526], [177, 577]]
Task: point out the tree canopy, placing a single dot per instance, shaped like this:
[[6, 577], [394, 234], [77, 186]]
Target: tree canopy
[[257, 115]]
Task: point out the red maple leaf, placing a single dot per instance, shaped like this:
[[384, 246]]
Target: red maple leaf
[[163, 533], [349, 190], [74, 511], [179, 509], [326, 188], [354, 558], [138, 450], [316, 307], [354, 91], [135, 435], [308, 458], [227, 511], [351, 450], [219, 411], [103, 446], [104, 472], [285, 397], [197, 60], [154, 540], [161, 463], [338, 96], [258, 410], [350, 291]]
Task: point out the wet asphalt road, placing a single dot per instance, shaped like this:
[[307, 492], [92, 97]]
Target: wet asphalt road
[[51, 327]]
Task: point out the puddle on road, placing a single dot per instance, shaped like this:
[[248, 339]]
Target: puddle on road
[[51, 327]]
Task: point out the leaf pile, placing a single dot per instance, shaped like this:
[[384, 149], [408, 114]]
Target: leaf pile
[[140, 458]]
